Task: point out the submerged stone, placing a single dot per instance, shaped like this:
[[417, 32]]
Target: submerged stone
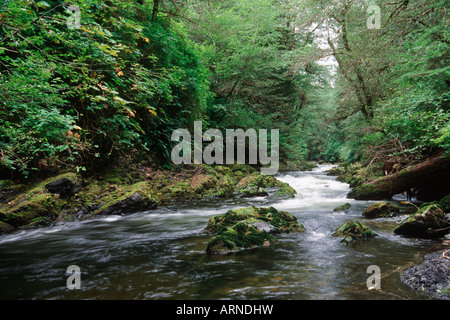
[[381, 210], [249, 227], [343, 208], [352, 231]]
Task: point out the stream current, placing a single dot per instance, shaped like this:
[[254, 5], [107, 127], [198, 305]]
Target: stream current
[[160, 254]]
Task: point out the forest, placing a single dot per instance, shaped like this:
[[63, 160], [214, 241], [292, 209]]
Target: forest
[[92, 92], [134, 71]]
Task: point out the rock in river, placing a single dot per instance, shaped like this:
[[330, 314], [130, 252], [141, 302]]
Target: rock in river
[[428, 222], [380, 210], [249, 227], [351, 231]]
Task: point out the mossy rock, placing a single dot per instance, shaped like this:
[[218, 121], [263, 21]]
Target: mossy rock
[[335, 171], [238, 237], [5, 227], [65, 185], [38, 222], [31, 206], [445, 203], [344, 208], [41, 202], [9, 190], [252, 191], [428, 222], [203, 182], [255, 185], [285, 191], [249, 227], [381, 210], [132, 199], [352, 231]]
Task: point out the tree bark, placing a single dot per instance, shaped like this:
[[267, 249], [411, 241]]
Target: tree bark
[[155, 9], [432, 173]]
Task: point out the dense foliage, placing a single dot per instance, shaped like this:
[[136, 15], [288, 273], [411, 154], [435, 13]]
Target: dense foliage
[[393, 81], [118, 86]]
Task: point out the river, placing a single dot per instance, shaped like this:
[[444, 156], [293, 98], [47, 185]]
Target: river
[[160, 254]]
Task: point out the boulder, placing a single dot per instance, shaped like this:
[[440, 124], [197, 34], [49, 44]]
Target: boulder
[[248, 228], [381, 210], [5, 227], [351, 231], [65, 187], [428, 222], [133, 203], [259, 185]]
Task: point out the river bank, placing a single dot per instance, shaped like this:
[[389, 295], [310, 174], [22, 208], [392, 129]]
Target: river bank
[[120, 191], [431, 276]]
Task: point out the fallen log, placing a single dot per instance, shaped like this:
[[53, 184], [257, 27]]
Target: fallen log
[[431, 174]]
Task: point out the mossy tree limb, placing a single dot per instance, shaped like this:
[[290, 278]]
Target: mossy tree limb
[[431, 171]]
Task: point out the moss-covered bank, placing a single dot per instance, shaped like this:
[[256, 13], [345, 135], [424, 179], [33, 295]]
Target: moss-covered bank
[[122, 190]]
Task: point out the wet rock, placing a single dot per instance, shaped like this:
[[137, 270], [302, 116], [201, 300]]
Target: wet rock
[[351, 231], [248, 228], [428, 222], [381, 210], [431, 276], [344, 208], [252, 191], [5, 227], [257, 185], [65, 187], [9, 190], [131, 204]]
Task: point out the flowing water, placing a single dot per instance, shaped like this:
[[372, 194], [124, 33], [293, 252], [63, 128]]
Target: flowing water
[[161, 254]]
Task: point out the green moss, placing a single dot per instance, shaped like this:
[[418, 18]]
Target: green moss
[[445, 203], [237, 229], [352, 231], [121, 194], [380, 210], [5, 227], [427, 222], [9, 190], [255, 185], [285, 191], [241, 236]]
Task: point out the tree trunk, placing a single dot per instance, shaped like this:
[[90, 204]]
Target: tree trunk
[[155, 9], [431, 175]]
